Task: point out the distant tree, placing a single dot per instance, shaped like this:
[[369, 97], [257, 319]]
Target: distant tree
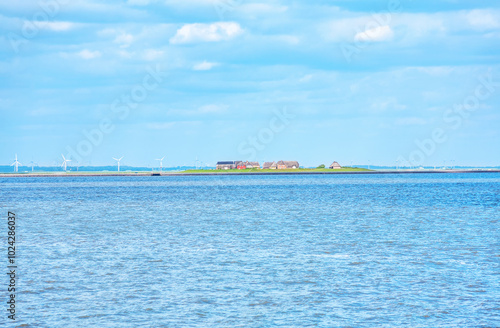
[[322, 166]]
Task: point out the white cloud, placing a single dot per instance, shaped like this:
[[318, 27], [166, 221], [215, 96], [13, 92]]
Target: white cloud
[[204, 66], [340, 29], [124, 40], [192, 33], [377, 34], [87, 54], [152, 54], [55, 26], [483, 19], [423, 26], [413, 27], [363, 28]]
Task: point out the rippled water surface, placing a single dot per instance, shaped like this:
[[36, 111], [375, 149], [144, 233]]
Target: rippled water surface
[[418, 250]]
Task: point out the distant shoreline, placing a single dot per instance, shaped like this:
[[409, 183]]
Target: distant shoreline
[[221, 173]]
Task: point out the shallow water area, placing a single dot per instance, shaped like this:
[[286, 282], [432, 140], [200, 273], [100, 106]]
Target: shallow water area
[[419, 250]]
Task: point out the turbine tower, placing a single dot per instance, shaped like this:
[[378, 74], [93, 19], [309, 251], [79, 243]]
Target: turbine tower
[[64, 163], [118, 160], [33, 165], [161, 163], [16, 165]]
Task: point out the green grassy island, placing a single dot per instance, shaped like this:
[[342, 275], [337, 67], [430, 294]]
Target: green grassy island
[[301, 170], [180, 173]]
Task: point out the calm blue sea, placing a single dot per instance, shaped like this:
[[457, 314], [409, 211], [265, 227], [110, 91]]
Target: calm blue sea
[[419, 250]]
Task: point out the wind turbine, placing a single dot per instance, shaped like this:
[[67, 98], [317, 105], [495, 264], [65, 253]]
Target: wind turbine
[[33, 165], [161, 163], [118, 160], [64, 163], [16, 165]]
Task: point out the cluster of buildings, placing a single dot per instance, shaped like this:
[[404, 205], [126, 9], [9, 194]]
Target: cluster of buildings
[[240, 165], [280, 165]]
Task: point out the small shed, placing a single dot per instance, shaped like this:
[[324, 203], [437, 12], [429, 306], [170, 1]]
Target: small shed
[[335, 166]]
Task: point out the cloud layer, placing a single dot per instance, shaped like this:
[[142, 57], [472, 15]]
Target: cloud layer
[[193, 33], [363, 81], [376, 34]]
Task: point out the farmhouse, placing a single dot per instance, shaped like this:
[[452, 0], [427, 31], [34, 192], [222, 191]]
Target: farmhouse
[[227, 165], [282, 165], [252, 165], [335, 166], [268, 165], [240, 165]]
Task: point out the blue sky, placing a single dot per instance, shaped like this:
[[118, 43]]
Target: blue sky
[[314, 81]]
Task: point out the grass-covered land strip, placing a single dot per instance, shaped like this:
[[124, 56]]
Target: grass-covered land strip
[[75, 173], [344, 169], [106, 172], [173, 173]]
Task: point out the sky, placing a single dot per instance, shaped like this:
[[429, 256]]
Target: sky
[[395, 82]]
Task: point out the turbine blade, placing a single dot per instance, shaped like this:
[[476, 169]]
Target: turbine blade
[[114, 158], [63, 157], [121, 158]]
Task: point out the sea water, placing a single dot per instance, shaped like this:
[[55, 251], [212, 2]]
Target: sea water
[[388, 250]]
